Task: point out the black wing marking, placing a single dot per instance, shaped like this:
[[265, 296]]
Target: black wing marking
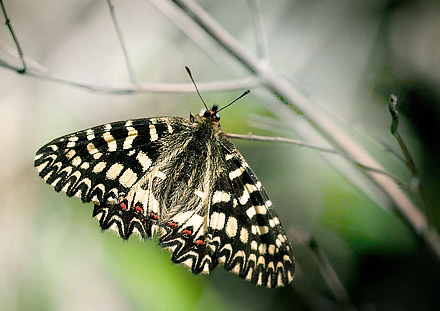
[[125, 221], [187, 242]]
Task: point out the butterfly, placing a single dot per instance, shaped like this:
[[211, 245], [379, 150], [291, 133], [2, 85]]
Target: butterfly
[[182, 180]]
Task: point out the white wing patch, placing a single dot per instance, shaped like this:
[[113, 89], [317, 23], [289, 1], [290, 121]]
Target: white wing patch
[[114, 171]]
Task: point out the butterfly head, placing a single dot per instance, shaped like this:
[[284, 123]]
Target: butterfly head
[[212, 114]]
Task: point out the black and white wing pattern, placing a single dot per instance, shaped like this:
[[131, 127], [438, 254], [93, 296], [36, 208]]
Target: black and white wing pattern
[[241, 232], [182, 180], [253, 243], [107, 165]]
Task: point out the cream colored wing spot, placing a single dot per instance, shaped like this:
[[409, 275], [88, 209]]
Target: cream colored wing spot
[[236, 173], [271, 249], [254, 245], [91, 148], [153, 133], [251, 212], [259, 230], [143, 160], [263, 229], [90, 134], [244, 198], [220, 196], [231, 227], [111, 142], [229, 157], [114, 171], [99, 167], [257, 209], [42, 166], [132, 134], [128, 178], [217, 221], [244, 235], [70, 154], [76, 161]]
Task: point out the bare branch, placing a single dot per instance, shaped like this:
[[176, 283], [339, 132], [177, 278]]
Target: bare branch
[[331, 277], [121, 41], [300, 236], [36, 70], [318, 148], [260, 31], [14, 37]]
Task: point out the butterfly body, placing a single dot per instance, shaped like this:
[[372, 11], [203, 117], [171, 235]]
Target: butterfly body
[[182, 179]]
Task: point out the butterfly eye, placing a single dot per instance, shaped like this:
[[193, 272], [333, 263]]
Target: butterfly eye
[[217, 116], [207, 114]]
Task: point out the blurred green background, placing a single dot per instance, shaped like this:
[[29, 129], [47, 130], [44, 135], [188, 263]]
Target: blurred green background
[[349, 54]]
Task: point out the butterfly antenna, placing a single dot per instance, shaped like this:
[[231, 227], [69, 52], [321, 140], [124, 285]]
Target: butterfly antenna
[[242, 95], [195, 85]]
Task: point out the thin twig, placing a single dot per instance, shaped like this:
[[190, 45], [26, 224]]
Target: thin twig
[[260, 31], [37, 70], [121, 41], [300, 236], [315, 147], [417, 183], [280, 87], [329, 274], [14, 37]]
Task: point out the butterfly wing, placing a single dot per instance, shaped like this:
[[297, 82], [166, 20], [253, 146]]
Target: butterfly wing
[[106, 165], [101, 164], [236, 226], [247, 237]]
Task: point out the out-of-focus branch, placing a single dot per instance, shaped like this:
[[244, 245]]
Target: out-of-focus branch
[[300, 236], [329, 273], [121, 41], [314, 147], [260, 31], [14, 37], [34, 69]]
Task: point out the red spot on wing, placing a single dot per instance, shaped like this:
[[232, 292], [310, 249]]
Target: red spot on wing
[[172, 224], [124, 207], [199, 242], [154, 216], [139, 209], [187, 232]]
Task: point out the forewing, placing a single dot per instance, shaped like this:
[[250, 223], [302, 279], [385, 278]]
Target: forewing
[[247, 237], [101, 164]]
